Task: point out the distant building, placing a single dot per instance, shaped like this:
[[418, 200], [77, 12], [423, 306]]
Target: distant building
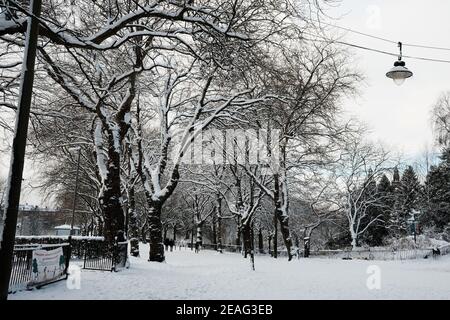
[[64, 230], [38, 221]]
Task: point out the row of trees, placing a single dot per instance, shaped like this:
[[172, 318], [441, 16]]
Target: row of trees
[[134, 81], [136, 84]]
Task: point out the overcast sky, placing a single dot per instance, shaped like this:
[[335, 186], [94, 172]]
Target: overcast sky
[[398, 117]]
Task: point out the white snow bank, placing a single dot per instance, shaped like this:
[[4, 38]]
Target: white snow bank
[[210, 275], [66, 227], [423, 242]]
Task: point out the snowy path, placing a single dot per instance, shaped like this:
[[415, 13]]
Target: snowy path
[[209, 275]]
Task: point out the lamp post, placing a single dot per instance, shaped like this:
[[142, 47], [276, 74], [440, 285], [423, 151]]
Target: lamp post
[[7, 235], [399, 73], [413, 223], [78, 149]]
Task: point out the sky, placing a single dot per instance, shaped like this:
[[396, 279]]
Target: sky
[[398, 117]]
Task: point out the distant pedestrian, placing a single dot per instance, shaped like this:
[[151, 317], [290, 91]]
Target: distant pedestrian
[[171, 244], [197, 247], [436, 252], [183, 244]]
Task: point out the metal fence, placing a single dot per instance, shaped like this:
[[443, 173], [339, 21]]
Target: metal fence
[[368, 254], [21, 273], [77, 243], [236, 248], [96, 255], [375, 254], [210, 246], [444, 250], [105, 257], [224, 247]]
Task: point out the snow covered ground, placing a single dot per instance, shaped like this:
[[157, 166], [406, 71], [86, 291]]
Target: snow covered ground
[[210, 275]]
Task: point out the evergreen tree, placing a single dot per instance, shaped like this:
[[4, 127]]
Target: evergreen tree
[[384, 200], [408, 193], [437, 194]]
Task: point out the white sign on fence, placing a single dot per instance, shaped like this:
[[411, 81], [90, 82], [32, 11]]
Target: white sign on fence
[[47, 265]]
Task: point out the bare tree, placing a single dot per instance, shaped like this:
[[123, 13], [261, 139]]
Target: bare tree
[[311, 80], [361, 165], [441, 119], [202, 209]]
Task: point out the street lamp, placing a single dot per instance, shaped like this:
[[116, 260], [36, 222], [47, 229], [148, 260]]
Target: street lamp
[[8, 232], [399, 73], [413, 223], [75, 149]]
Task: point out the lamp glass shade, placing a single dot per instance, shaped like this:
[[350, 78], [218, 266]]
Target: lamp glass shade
[[399, 81], [399, 73]]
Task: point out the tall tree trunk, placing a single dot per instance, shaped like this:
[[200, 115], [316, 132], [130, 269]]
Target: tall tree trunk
[[91, 227], [156, 240], [133, 228], [111, 194], [174, 232], [270, 244], [260, 241], [282, 216], [144, 231], [110, 200], [214, 232], [238, 238], [144, 235], [246, 234], [307, 246], [199, 238], [354, 240], [219, 234], [115, 129], [165, 232], [100, 227], [219, 222], [252, 246], [275, 235]]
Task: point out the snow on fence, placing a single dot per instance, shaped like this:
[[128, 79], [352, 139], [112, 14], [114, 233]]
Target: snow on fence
[[78, 243], [94, 251], [52, 237], [210, 246], [363, 254], [443, 250], [377, 254], [236, 248]]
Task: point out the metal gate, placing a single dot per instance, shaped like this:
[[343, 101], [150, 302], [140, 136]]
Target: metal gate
[[98, 256], [105, 257]]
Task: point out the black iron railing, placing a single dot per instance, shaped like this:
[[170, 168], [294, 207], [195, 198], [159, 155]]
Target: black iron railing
[[77, 243], [22, 268], [105, 257]]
